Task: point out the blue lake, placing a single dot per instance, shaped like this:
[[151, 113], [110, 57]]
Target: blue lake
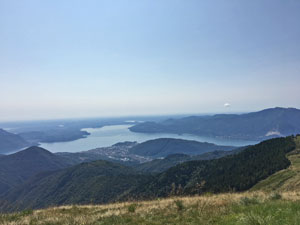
[[109, 135]]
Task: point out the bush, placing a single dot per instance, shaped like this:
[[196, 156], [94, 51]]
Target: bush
[[179, 205], [27, 212], [132, 208], [275, 196], [249, 201]]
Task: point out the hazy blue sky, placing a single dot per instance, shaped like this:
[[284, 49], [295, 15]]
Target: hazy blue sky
[[62, 58]]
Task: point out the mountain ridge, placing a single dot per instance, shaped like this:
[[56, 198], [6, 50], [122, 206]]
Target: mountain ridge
[[261, 125], [11, 142]]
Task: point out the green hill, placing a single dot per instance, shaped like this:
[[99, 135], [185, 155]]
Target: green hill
[[18, 167], [287, 179], [94, 182], [163, 147]]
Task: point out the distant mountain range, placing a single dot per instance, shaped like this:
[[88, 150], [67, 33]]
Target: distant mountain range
[[50, 131], [256, 126], [11, 142], [265, 124], [102, 181]]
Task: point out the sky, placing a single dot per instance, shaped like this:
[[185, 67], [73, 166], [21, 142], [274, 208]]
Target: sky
[[69, 59]]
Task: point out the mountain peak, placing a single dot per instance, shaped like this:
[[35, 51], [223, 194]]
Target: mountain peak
[[280, 109], [33, 151]]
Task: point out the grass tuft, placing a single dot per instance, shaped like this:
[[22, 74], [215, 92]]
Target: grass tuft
[[179, 205], [249, 201], [132, 207], [275, 196]]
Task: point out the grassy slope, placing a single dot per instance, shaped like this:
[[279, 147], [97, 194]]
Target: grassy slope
[[287, 179], [238, 208]]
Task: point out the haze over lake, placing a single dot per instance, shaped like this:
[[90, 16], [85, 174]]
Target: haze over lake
[[109, 135]]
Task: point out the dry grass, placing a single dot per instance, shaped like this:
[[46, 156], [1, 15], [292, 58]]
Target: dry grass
[[206, 206]]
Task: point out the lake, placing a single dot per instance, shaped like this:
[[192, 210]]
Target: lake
[[109, 135]]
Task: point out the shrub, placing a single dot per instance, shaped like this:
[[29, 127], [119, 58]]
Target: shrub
[[27, 212], [249, 201], [275, 196], [132, 208], [179, 205]]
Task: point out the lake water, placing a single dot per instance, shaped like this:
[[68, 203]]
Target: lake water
[[109, 135]]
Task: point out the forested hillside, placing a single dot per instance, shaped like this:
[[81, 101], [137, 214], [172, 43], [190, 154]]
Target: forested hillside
[[94, 182], [160, 165], [18, 167], [231, 173], [284, 180], [101, 181]]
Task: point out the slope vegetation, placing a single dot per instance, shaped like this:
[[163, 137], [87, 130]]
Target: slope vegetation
[[232, 173], [161, 165], [287, 179], [230, 209], [94, 182]]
